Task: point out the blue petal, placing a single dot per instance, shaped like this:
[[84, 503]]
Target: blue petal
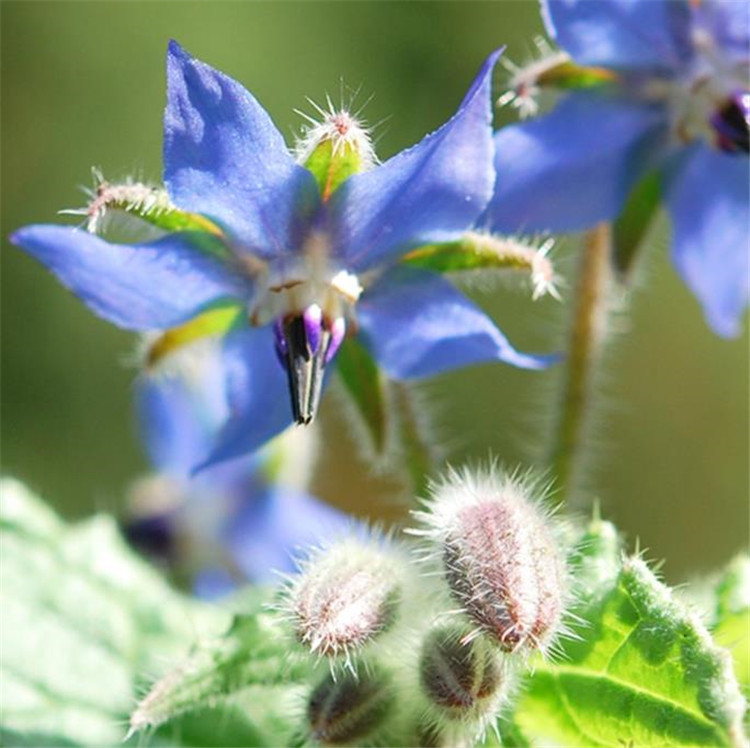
[[622, 34], [180, 414], [573, 167], [224, 157], [139, 287], [728, 24], [708, 196], [213, 583], [257, 394], [417, 324], [275, 527], [427, 193]]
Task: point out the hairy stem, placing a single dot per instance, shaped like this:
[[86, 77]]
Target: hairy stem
[[585, 341]]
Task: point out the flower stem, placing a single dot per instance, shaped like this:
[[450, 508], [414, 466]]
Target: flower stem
[[585, 342]]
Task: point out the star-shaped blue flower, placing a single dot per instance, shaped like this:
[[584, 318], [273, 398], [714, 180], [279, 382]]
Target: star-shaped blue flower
[[303, 265], [243, 520], [678, 106]]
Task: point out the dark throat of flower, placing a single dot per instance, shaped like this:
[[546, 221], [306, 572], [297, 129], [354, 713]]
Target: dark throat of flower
[[305, 344]]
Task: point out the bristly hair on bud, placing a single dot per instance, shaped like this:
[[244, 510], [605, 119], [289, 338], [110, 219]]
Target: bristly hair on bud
[[500, 554], [342, 128], [347, 709], [346, 596], [464, 678]]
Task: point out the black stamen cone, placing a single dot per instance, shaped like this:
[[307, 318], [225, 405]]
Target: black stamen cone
[[305, 368], [731, 123]]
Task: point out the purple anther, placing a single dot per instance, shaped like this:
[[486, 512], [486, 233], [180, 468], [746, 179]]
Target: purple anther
[[338, 332], [313, 320]]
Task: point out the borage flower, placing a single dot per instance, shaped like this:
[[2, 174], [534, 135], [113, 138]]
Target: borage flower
[[243, 520], [662, 106], [286, 260]]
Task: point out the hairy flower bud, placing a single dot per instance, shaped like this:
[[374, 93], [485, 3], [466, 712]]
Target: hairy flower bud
[[459, 674], [349, 707], [346, 596], [499, 556], [335, 147]]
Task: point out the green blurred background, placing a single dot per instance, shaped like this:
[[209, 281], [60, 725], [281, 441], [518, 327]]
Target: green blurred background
[[83, 85]]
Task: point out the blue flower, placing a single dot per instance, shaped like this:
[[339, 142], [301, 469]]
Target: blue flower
[[243, 520], [295, 265], [678, 106]]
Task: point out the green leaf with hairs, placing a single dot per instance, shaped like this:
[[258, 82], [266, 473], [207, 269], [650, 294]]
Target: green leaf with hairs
[[731, 626], [643, 671], [251, 664], [84, 623]]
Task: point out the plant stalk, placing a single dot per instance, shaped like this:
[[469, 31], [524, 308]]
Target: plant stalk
[[587, 333]]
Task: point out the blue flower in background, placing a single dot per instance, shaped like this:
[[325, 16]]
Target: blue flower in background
[[240, 521], [295, 266], [678, 105]]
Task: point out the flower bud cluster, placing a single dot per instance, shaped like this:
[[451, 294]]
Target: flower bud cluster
[[416, 670]]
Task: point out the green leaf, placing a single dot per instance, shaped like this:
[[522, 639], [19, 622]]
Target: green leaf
[[83, 622], [365, 385], [731, 628], [643, 671], [631, 225], [254, 652]]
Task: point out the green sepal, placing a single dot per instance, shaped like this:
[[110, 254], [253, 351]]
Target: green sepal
[[143, 202], [365, 384], [464, 254], [568, 75], [332, 164], [387, 413], [642, 669], [631, 225], [171, 219], [481, 251], [83, 621], [418, 450], [218, 320]]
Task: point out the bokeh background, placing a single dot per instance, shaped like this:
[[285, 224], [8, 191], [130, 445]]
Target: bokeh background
[[83, 85]]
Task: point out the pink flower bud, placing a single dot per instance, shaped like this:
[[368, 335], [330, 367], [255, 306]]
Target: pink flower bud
[[499, 556], [346, 596], [349, 707], [457, 675]]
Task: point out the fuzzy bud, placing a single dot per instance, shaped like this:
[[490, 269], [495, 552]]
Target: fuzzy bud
[[334, 148], [459, 675], [346, 596], [349, 707], [500, 557]]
